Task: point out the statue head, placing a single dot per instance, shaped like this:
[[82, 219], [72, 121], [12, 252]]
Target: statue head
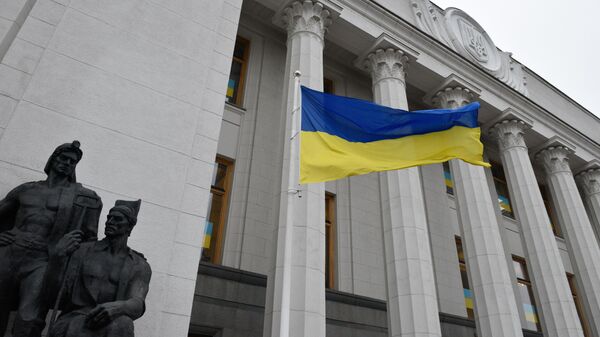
[[122, 218], [64, 159]]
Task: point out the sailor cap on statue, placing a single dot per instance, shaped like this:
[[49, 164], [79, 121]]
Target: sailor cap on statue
[[129, 208]]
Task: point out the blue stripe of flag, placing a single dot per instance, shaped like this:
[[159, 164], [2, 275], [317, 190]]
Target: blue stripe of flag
[[357, 120]]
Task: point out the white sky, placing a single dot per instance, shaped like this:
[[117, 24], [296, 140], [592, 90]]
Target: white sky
[[557, 39]]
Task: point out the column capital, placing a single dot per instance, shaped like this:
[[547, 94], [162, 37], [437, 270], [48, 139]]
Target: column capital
[[310, 16], [554, 159], [386, 58], [509, 133], [387, 63], [454, 92], [589, 178]]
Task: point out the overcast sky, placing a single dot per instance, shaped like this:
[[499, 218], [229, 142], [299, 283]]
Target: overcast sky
[[557, 39]]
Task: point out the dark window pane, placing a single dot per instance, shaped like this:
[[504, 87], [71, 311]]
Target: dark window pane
[[219, 174], [235, 76], [239, 49], [212, 226], [448, 178]]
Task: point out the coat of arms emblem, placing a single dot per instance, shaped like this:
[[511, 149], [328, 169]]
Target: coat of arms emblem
[[473, 41]]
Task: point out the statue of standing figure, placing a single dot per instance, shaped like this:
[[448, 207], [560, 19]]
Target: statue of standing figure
[[33, 218], [106, 281]]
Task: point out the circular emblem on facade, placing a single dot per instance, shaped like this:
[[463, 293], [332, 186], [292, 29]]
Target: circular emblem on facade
[[470, 40]]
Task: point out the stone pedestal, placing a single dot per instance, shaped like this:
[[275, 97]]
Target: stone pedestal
[[579, 236], [295, 303], [412, 299], [496, 311], [547, 273]]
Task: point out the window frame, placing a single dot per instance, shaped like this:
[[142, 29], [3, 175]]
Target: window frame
[[502, 180], [239, 99], [578, 305], [550, 210], [330, 227], [219, 230], [462, 265], [527, 283]]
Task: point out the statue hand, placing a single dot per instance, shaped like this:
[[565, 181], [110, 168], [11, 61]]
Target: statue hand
[[69, 243], [103, 314], [6, 238]]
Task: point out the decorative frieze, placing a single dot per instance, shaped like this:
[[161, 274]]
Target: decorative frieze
[[457, 30], [388, 63], [306, 16]]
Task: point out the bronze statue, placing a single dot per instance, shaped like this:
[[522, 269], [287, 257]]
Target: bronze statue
[[106, 282], [33, 218]]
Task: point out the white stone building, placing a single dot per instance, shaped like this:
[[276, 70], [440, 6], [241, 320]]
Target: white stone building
[[442, 250]]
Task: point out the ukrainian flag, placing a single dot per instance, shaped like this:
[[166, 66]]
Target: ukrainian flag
[[342, 137]]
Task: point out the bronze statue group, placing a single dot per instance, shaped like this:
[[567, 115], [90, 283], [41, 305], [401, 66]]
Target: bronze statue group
[[51, 258]]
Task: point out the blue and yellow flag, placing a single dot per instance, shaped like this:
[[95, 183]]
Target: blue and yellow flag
[[343, 137]]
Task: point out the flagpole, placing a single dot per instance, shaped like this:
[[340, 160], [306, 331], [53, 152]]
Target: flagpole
[[293, 192]]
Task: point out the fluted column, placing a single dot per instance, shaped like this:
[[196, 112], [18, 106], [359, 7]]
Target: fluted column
[[496, 311], [558, 312], [589, 181], [579, 236], [412, 300], [295, 303]]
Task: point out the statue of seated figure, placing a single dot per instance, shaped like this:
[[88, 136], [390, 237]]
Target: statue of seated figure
[[106, 281]]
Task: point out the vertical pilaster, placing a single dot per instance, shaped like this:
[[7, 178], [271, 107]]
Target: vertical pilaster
[[295, 304], [559, 315], [496, 311], [411, 294], [589, 183], [581, 242]]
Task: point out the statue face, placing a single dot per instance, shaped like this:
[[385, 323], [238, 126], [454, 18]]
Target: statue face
[[64, 163], [117, 224]]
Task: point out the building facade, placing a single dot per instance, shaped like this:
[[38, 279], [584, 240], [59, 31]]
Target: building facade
[[186, 104]]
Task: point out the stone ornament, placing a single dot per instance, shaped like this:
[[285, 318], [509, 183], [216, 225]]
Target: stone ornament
[[388, 63], [555, 159], [306, 16], [453, 97], [589, 180], [510, 133], [457, 30]]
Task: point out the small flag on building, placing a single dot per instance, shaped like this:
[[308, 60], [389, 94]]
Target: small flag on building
[[342, 137]]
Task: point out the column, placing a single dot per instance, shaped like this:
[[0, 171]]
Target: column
[[589, 183], [558, 312], [579, 236], [496, 311], [295, 303], [411, 299]]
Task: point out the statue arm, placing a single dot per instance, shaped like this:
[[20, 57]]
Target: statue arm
[[135, 305]]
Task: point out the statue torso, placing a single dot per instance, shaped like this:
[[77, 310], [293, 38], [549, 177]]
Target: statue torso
[[38, 206]]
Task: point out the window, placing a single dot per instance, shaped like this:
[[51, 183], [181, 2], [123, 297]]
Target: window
[[448, 178], [328, 86], [329, 239], [468, 293], [237, 74], [578, 305], [217, 210], [502, 189], [532, 321], [550, 210]]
